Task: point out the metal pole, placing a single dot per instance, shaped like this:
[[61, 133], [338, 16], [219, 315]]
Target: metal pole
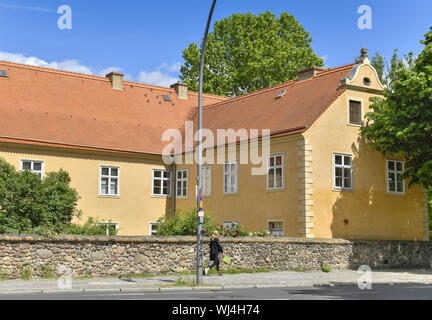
[[199, 265]]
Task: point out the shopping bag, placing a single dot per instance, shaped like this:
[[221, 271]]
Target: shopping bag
[[226, 259]]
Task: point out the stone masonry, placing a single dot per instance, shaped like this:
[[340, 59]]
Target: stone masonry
[[113, 256]]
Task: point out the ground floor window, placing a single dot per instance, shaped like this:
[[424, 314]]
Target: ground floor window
[[34, 166], [276, 229], [153, 229], [111, 228]]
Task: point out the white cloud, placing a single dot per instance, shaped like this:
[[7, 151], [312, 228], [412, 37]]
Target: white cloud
[[39, 9], [162, 76], [66, 65], [157, 78]]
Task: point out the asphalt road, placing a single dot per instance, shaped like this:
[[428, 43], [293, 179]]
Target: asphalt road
[[345, 292]]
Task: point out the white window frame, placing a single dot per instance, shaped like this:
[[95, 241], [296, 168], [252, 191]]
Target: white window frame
[[107, 224], [184, 182], [230, 224], [109, 181], [274, 167], [282, 230], [235, 190], [395, 171], [152, 233], [205, 191], [343, 166], [162, 179], [33, 161]]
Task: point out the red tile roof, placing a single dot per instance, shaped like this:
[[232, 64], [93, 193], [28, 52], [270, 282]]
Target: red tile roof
[[299, 107], [65, 109]]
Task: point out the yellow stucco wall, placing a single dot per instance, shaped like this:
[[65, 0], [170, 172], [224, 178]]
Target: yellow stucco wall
[[133, 209], [253, 206], [368, 211]]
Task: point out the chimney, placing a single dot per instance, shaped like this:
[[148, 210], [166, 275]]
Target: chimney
[[116, 80], [308, 73], [181, 89]]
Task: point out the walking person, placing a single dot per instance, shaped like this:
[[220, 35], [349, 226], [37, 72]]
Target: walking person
[[215, 248]]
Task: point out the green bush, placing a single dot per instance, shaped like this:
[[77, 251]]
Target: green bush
[[34, 206], [90, 228], [237, 230], [182, 224], [185, 224], [31, 205]]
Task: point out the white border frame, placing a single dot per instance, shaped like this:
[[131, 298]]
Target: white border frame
[[237, 177], [152, 184], [283, 171], [276, 221], [100, 180], [343, 166], [182, 179], [33, 160], [211, 180], [387, 179]]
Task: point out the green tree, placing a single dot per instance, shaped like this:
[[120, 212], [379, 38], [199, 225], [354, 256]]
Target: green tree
[[402, 121], [31, 205], [378, 62], [247, 52]]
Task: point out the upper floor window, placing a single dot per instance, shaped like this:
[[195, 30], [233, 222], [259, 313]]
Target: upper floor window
[[109, 181], [207, 180], [275, 172], [355, 112], [395, 183], [34, 166], [230, 177], [161, 182], [342, 171], [182, 183]]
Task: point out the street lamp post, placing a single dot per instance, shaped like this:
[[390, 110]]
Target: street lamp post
[[200, 218]]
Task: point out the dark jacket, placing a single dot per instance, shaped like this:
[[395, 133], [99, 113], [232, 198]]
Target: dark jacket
[[215, 248]]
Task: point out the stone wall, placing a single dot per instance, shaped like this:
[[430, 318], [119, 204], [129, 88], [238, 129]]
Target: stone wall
[[105, 256]]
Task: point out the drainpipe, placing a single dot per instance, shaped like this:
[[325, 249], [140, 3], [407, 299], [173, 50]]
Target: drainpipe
[[174, 195]]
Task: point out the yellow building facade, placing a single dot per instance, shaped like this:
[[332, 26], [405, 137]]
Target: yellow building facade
[[322, 180]]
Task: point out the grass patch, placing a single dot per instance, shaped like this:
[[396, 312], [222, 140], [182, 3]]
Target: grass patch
[[26, 272]]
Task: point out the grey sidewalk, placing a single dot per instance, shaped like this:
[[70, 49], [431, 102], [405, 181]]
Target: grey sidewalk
[[214, 282]]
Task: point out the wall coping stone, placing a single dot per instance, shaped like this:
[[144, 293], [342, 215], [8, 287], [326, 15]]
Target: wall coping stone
[[190, 239]]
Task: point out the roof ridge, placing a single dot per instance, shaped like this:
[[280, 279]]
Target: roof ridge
[[94, 77], [290, 82], [247, 95]]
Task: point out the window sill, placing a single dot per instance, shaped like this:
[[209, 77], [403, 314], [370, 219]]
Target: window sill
[[343, 190], [395, 193], [159, 196], [276, 190], [231, 194], [106, 196], [355, 125]]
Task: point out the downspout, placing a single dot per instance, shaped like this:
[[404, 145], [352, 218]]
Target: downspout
[[174, 188]]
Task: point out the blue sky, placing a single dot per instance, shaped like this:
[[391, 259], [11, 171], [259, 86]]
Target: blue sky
[[145, 39]]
